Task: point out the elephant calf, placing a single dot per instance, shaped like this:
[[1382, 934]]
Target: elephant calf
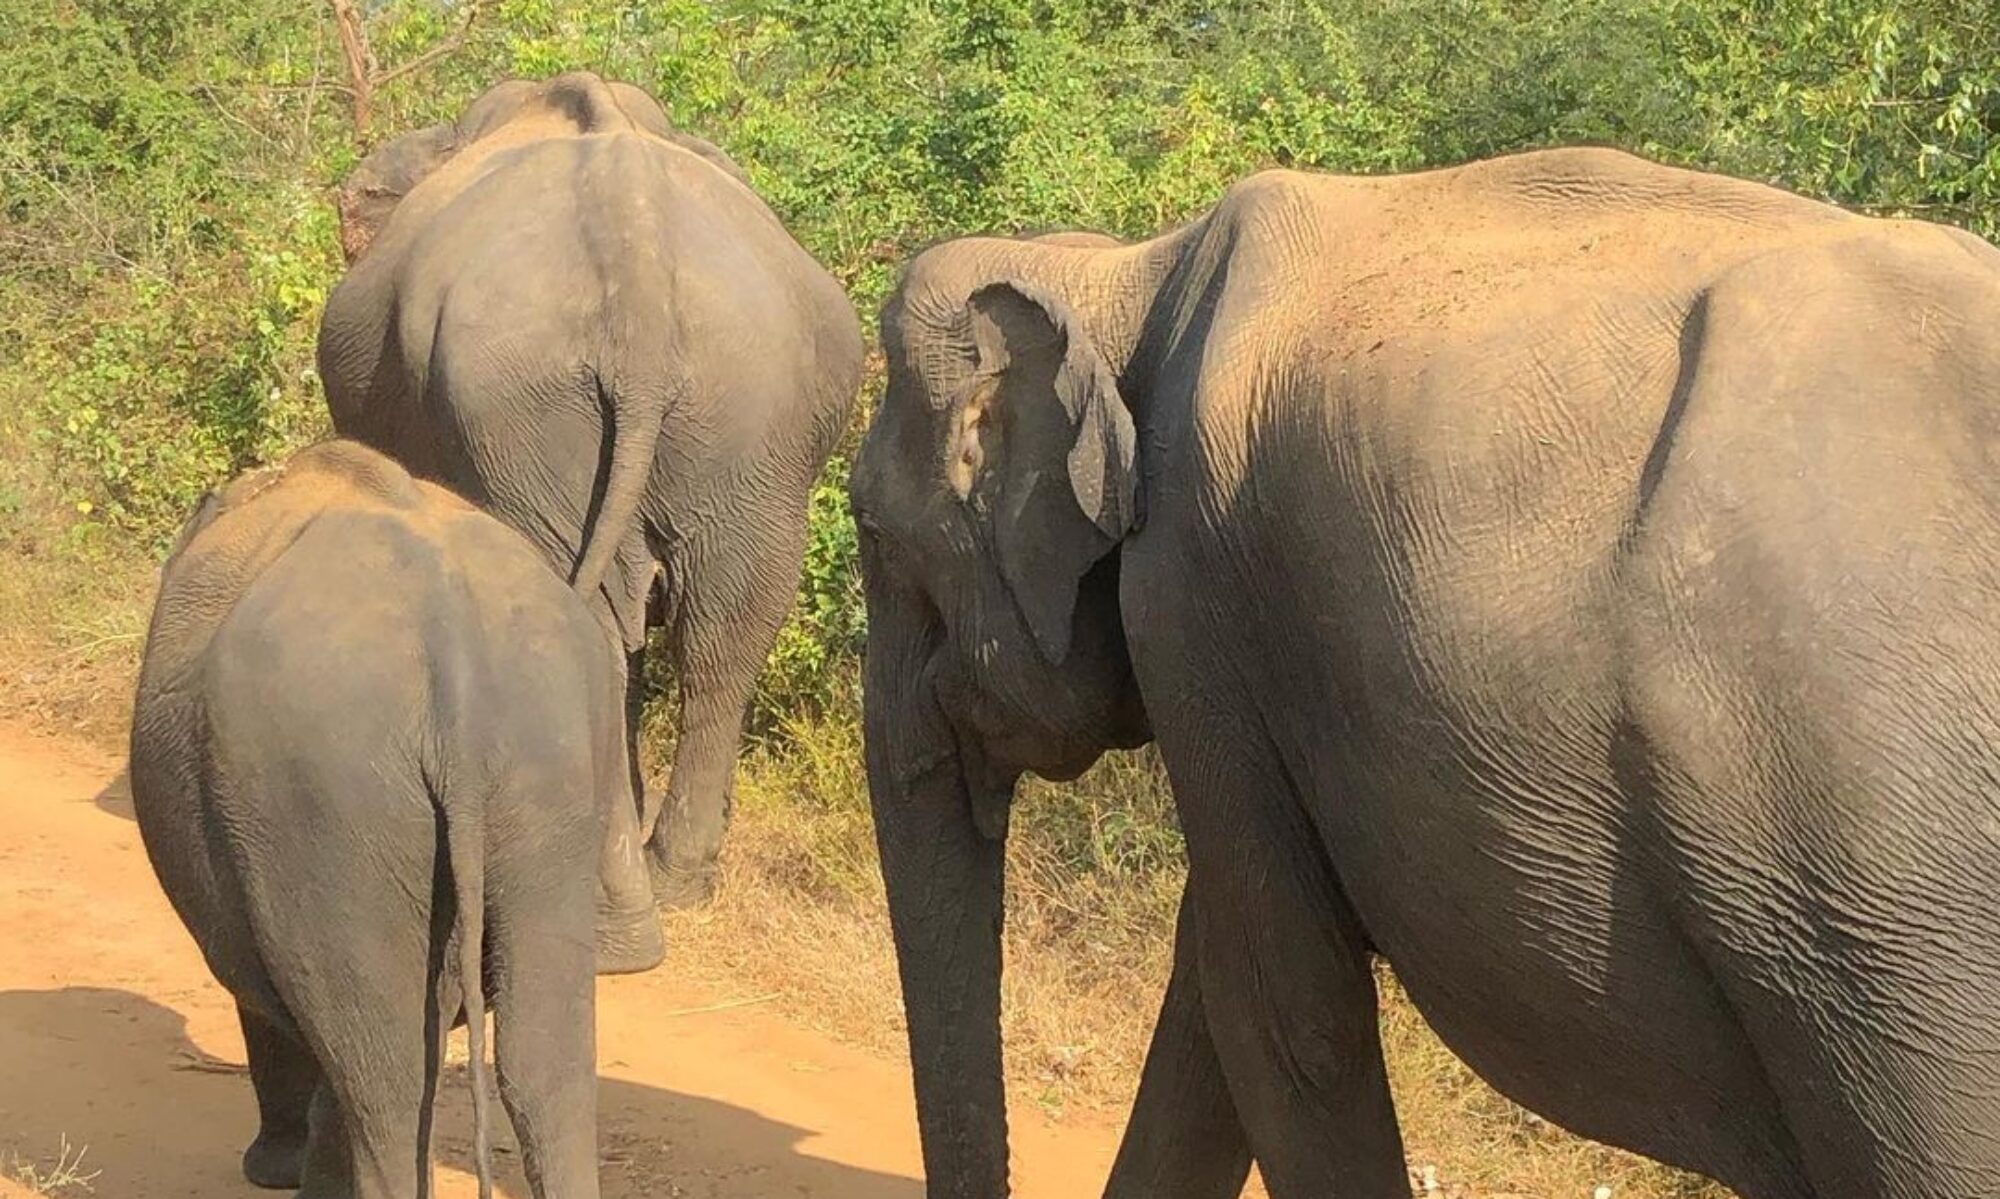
[[377, 740]]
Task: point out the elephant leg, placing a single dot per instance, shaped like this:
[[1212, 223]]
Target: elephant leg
[[368, 1123], [628, 924], [545, 1045], [285, 1075], [732, 606], [1285, 974], [368, 1127], [1184, 1140], [328, 1171]]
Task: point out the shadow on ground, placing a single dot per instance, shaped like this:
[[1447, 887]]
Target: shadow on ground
[[116, 797], [117, 1072]]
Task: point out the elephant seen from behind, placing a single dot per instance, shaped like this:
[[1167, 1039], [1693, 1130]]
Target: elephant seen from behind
[[587, 323], [376, 744]]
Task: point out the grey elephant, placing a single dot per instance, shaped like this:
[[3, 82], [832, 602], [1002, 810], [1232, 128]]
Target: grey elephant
[[587, 323], [1572, 579], [376, 740]]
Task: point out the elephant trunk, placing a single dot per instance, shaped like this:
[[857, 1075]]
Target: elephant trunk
[[944, 878]]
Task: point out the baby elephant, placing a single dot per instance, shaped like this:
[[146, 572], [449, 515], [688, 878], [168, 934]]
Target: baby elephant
[[378, 742]]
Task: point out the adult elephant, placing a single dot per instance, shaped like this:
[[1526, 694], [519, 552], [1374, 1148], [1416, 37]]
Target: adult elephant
[[1575, 580], [588, 323]]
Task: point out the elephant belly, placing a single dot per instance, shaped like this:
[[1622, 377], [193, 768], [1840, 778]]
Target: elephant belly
[[1540, 948]]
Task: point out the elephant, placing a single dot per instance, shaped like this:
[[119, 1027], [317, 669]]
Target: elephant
[[1571, 579], [376, 740], [587, 323]]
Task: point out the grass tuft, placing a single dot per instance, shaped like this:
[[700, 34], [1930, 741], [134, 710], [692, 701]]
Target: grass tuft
[[64, 1176]]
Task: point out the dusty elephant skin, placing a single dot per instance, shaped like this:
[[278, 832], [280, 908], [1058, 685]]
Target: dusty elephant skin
[[585, 322], [1570, 578], [374, 737]]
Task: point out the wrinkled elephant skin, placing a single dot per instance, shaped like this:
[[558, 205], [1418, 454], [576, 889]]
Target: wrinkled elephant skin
[[587, 323], [375, 742], [1572, 579]]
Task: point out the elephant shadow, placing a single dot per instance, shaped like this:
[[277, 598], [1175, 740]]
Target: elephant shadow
[[118, 1073], [115, 798]]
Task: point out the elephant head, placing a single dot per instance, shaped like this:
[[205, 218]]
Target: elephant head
[[992, 493], [506, 114]]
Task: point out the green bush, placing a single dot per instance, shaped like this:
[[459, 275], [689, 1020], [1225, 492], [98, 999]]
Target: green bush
[[165, 254], [163, 164]]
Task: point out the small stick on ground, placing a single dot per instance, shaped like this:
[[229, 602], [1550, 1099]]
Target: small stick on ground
[[723, 1006]]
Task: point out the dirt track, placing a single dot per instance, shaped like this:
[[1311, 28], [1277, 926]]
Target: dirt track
[[113, 1034]]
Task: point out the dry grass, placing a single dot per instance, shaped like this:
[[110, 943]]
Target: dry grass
[[73, 606], [64, 1176]]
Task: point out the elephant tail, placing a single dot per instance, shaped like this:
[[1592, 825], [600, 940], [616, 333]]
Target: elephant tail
[[632, 420], [467, 863]]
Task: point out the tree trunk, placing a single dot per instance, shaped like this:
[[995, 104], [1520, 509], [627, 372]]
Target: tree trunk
[[360, 62]]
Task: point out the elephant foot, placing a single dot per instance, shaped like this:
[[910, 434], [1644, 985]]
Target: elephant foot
[[275, 1163], [631, 946], [678, 888]]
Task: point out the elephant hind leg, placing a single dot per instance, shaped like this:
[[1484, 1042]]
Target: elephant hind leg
[[359, 990], [544, 1014], [1892, 1094], [369, 1130], [1286, 977], [286, 1077], [735, 587]]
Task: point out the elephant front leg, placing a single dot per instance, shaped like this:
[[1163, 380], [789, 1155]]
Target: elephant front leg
[[285, 1076], [731, 609], [1184, 1140], [628, 926]]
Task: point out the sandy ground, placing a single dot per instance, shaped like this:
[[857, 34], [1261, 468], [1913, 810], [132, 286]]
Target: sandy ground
[[113, 1035]]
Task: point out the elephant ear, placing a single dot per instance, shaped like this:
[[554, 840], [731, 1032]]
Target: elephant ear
[[205, 511], [1043, 446], [644, 111], [371, 193]]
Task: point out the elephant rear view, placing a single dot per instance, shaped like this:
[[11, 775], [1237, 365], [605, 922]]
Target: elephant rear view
[[375, 743], [587, 323]]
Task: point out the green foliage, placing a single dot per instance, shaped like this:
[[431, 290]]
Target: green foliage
[[163, 164], [1889, 107], [165, 257]]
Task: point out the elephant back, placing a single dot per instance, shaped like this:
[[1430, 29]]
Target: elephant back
[[241, 529]]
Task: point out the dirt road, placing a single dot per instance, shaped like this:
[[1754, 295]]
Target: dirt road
[[113, 1035]]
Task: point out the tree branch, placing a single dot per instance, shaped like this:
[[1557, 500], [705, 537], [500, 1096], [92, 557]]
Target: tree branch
[[365, 76], [447, 46], [360, 62]]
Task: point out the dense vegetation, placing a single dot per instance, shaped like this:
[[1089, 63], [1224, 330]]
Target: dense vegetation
[[163, 163], [166, 238]]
